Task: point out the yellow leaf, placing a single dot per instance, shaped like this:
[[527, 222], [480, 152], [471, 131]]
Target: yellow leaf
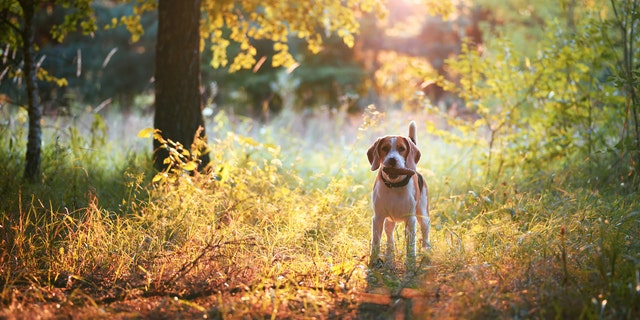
[[248, 141], [190, 166], [158, 177], [62, 82], [158, 136], [348, 40], [145, 133], [222, 174]]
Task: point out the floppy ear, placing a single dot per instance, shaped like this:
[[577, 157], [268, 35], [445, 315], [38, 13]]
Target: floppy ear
[[374, 157], [414, 155]]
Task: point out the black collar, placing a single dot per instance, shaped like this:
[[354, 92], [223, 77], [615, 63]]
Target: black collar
[[400, 184]]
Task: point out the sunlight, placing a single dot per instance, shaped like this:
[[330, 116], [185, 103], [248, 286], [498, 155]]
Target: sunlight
[[531, 164], [445, 9]]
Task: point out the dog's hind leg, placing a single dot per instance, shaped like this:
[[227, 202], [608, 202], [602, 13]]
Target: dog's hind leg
[[425, 228]]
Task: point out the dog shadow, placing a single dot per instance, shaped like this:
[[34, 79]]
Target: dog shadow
[[392, 288]]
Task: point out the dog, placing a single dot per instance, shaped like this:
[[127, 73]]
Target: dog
[[399, 194]]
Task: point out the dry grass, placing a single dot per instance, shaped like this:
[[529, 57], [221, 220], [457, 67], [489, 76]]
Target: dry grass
[[280, 229]]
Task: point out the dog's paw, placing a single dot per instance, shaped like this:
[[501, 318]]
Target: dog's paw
[[376, 263], [425, 247], [410, 263], [424, 258]]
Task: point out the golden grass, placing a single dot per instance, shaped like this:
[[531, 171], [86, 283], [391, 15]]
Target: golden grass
[[281, 229]]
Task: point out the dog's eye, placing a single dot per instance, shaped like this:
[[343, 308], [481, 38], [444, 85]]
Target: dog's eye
[[386, 148], [401, 148]]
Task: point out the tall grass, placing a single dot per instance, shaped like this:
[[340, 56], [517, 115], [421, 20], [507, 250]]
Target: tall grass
[[281, 227]]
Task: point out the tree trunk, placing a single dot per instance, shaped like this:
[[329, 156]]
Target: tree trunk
[[34, 140], [178, 112]]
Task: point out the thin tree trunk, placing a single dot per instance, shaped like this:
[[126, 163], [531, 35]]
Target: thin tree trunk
[[34, 140], [178, 112]]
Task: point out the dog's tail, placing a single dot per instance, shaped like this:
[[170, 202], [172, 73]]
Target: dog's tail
[[412, 132]]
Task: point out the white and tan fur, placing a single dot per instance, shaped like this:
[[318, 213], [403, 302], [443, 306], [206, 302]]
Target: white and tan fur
[[393, 200]]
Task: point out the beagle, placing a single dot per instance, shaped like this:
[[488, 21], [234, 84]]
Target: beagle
[[399, 194]]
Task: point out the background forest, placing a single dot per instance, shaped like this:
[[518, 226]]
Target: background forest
[[527, 120]]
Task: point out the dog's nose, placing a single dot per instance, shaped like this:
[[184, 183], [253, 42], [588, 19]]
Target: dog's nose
[[391, 162]]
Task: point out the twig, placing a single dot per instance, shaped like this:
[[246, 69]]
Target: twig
[[186, 267]]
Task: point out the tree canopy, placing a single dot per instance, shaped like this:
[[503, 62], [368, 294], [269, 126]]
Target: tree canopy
[[224, 23]]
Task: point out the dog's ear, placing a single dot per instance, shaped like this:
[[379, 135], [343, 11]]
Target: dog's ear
[[414, 155], [374, 157]]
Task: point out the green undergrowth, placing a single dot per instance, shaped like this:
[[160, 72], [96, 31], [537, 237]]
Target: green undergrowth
[[279, 226]]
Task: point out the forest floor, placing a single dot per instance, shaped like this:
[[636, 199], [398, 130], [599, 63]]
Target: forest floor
[[370, 294]]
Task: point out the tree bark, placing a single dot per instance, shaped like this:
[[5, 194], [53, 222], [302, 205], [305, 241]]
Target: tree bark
[[34, 139], [178, 111]]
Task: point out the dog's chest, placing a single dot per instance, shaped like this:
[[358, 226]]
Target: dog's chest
[[395, 203]]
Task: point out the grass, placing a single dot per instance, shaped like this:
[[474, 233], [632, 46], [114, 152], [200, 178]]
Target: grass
[[281, 227]]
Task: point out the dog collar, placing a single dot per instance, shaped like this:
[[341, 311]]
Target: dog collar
[[399, 184]]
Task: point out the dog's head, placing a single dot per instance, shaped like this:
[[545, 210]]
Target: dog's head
[[393, 151]]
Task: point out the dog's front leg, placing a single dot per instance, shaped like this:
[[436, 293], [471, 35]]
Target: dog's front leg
[[389, 226], [410, 235], [376, 234]]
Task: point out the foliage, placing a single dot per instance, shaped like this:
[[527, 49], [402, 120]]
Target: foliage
[[321, 79], [179, 160], [19, 18], [626, 17], [553, 107], [523, 23], [79, 16], [538, 95], [242, 22], [88, 69], [277, 22]]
